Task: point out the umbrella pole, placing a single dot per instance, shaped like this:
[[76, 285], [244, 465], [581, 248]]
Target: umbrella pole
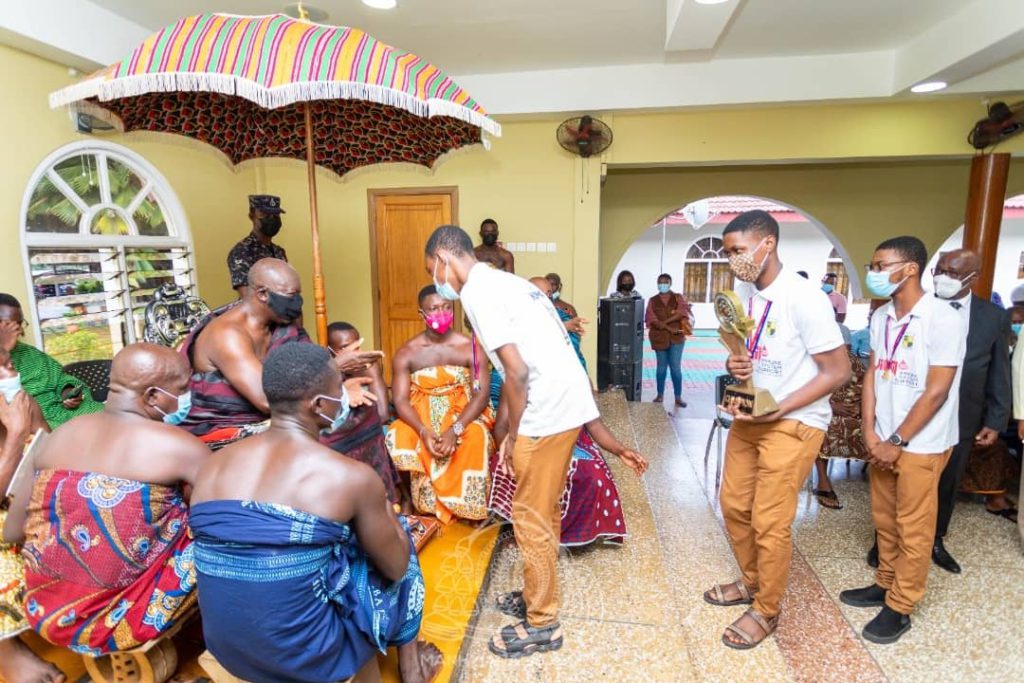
[[319, 295]]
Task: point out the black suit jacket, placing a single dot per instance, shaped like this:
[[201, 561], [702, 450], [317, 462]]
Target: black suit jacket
[[986, 395]]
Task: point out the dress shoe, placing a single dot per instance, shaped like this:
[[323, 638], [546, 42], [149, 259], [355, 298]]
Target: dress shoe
[[941, 557], [872, 596], [873, 556], [887, 626]]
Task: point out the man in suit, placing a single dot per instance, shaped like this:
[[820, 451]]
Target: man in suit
[[985, 388]]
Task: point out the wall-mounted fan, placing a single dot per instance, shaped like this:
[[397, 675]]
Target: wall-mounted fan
[[584, 135]]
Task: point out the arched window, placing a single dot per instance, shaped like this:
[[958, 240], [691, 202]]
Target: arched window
[[101, 231], [705, 271], [835, 264]]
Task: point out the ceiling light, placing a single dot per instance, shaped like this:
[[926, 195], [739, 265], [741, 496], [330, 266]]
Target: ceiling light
[[928, 86], [711, 2], [381, 4]]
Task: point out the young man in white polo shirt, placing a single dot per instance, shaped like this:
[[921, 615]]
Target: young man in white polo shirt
[[546, 396], [910, 410], [796, 352]]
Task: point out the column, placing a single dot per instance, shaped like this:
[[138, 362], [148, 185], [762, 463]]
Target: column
[[985, 197]]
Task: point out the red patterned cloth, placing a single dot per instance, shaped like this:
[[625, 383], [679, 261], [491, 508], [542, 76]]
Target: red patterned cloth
[[108, 561]]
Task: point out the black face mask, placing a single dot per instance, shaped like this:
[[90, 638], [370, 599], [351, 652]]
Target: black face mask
[[626, 286], [287, 308], [490, 239], [270, 225]]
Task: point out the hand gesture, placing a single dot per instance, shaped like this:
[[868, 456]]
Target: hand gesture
[[508, 445], [576, 324], [633, 461], [739, 366], [357, 393], [350, 362], [16, 416], [10, 332], [884, 455], [445, 444], [986, 437]]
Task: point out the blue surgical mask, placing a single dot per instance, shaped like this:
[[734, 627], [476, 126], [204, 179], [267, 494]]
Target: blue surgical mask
[[663, 288], [343, 411], [10, 387], [444, 290], [555, 295], [879, 284], [828, 289], [184, 407], [1016, 328]]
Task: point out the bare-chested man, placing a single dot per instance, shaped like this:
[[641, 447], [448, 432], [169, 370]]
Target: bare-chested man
[[443, 435], [490, 251], [106, 527], [285, 526], [227, 350]]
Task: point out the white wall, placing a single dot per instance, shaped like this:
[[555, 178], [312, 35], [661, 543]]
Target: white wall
[[1011, 244]]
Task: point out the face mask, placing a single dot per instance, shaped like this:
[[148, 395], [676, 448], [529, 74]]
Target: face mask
[[441, 321], [880, 285], [554, 296], [342, 414], [10, 387], [828, 289], [664, 288], [270, 225], [490, 240], [626, 287], [444, 290], [1016, 329], [287, 308], [184, 407], [743, 265], [947, 287]]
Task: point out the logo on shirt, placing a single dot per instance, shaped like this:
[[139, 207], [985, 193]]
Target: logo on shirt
[[770, 328], [908, 341]]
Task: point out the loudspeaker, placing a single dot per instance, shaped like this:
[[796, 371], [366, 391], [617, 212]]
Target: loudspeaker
[[620, 331], [626, 376]]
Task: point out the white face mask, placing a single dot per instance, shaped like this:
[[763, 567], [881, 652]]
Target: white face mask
[[947, 287], [10, 387]]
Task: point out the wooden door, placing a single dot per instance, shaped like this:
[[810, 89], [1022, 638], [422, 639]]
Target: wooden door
[[400, 223]]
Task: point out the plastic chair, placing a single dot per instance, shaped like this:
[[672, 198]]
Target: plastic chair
[[722, 422], [94, 374]]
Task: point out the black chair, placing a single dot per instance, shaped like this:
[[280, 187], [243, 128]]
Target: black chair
[[94, 374], [722, 422]]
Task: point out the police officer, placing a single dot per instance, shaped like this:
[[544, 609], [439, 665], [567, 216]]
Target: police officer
[[265, 213]]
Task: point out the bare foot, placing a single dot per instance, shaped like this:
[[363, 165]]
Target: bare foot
[[18, 664], [419, 662]]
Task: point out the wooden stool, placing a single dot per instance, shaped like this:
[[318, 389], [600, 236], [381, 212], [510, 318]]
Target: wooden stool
[[152, 662]]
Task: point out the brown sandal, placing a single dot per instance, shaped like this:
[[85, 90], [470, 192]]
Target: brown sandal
[[768, 626], [716, 596]]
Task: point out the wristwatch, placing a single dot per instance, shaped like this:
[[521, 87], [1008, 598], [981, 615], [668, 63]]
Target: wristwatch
[[897, 441], [457, 428]]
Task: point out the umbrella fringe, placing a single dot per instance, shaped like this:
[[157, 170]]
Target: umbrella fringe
[[268, 98]]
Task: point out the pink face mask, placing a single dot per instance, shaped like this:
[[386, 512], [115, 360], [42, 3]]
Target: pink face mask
[[440, 321]]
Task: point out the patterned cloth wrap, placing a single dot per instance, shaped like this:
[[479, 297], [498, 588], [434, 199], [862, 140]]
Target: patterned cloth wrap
[[845, 437], [453, 486], [12, 588], [43, 378], [215, 403], [289, 597], [108, 561], [362, 438]]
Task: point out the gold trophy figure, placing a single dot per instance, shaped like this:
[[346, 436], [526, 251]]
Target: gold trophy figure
[[734, 329]]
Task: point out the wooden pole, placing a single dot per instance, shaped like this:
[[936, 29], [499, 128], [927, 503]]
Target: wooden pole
[[319, 295], [985, 197]]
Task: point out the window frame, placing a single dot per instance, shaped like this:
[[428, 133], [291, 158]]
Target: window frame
[[179, 237], [706, 263]]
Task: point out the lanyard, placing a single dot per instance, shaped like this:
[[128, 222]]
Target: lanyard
[[752, 344], [890, 360]]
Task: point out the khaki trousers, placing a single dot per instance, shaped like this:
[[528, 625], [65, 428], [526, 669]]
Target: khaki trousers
[[541, 465], [765, 467], [904, 507]]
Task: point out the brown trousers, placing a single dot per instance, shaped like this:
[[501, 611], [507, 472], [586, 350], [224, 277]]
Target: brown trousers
[[904, 507], [765, 466], [541, 465]]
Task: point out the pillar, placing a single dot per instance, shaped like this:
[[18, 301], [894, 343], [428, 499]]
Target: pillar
[[985, 197], [586, 236]]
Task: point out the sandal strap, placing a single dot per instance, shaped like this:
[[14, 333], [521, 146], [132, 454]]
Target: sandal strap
[[744, 592], [767, 625], [719, 595], [744, 636]]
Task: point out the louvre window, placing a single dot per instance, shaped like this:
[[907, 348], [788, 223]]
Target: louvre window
[[705, 271]]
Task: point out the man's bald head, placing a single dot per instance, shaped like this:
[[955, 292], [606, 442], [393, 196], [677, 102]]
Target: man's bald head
[[139, 367], [966, 261], [542, 284], [275, 275]]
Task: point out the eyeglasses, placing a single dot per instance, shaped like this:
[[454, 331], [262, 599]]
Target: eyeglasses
[[951, 273], [879, 267]]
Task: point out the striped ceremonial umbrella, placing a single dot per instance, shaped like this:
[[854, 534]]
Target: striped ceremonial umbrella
[[273, 86]]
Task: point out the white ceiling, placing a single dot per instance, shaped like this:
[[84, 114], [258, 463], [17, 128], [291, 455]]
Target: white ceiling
[[535, 56]]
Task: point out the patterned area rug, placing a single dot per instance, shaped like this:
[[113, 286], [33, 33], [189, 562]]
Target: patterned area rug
[[703, 360]]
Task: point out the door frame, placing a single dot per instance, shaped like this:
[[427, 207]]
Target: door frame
[[371, 198]]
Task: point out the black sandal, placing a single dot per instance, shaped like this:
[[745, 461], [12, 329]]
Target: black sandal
[[1009, 513], [825, 496], [511, 644], [512, 604]]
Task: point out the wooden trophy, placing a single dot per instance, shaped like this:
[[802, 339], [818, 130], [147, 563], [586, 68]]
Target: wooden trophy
[[734, 329]]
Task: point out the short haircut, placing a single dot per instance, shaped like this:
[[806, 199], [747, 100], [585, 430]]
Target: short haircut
[[8, 300], [449, 237], [554, 277], [756, 221], [666, 276], [910, 248], [488, 221], [623, 274], [429, 290], [341, 327], [294, 372], [831, 275], [803, 274]]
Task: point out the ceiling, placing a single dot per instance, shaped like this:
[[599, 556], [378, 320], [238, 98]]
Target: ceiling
[[534, 56]]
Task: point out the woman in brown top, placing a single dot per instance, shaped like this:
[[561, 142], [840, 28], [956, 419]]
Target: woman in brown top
[[669, 319]]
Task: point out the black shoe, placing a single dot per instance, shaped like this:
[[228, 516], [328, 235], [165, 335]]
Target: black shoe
[[873, 556], [872, 596], [887, 626], [941, 557]]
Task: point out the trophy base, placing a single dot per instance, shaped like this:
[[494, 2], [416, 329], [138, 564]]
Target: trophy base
[[753, 402]]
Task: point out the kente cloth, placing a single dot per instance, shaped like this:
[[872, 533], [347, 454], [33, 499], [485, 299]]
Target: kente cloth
[[289, 597], [43, 378], [215, 403], [845, 437], [225, 436], [12, 588], [361, 438], [108, 561], [990, 469], [450, 486], [590, 504]]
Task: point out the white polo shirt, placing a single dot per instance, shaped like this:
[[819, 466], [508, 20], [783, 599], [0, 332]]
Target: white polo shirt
[[932, 334], [798, 322], [506, 309]]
